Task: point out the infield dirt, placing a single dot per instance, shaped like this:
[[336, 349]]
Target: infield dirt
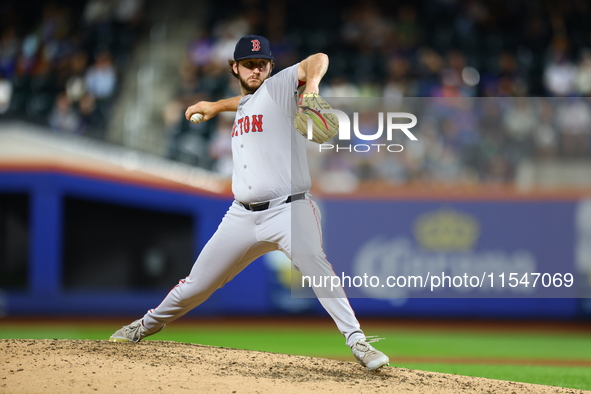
[[86, 366]]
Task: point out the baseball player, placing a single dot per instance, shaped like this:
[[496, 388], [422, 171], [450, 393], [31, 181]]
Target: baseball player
[[273, 209]]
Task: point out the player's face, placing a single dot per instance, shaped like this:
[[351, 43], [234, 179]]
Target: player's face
[[252, 73]]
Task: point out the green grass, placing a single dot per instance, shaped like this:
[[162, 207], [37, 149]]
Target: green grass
[[416, 349], [501, 345], [52, 332], [572, 377]]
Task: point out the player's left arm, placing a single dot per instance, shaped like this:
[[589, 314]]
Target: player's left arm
[[324, 125], [311, 70]]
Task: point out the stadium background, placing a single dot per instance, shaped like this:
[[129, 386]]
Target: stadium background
[[107, 194]]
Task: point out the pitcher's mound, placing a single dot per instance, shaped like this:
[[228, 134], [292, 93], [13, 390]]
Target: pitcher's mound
[[83, 366]]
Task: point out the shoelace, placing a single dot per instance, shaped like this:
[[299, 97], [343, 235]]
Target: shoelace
[[372, 339], [366, 348], [134, 330]]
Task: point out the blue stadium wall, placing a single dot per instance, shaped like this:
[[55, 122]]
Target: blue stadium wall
[[75, 259]]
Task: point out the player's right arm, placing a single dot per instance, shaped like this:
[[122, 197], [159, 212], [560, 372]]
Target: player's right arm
[[210, 109]]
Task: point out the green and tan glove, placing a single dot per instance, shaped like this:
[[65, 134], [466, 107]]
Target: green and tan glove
[[324, 126]]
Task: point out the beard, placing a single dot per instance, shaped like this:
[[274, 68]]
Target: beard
[[249, 89]]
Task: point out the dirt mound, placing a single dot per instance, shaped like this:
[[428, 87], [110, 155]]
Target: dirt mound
[[83, 366]]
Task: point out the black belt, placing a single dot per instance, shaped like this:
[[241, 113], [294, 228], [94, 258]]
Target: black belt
[[261, 206]]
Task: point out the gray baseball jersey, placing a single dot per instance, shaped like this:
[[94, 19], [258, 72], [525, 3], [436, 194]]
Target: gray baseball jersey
[[269, 157]]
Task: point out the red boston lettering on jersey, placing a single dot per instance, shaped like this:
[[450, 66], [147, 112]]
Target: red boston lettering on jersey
[[246, 124], [256, 45], [257, 123], [240, 125]]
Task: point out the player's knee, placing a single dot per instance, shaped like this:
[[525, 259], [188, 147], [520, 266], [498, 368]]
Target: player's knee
[[309, 257], [195, 292]]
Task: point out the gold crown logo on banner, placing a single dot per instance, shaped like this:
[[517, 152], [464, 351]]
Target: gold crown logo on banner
[[446, 230]]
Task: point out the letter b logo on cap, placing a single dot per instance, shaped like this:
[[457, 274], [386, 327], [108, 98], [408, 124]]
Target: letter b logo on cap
[[253, 47]]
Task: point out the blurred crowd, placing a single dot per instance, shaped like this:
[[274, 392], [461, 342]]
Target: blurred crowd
[[421, 49], [61, 63]]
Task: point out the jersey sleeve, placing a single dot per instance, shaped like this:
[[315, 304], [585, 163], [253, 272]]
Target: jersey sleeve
[[282, 88]]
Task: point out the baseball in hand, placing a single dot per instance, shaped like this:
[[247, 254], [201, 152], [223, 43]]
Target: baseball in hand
[[196, 118]]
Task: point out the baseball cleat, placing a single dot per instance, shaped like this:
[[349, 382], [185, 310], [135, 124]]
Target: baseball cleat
[[368, 356], [134, 332]]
